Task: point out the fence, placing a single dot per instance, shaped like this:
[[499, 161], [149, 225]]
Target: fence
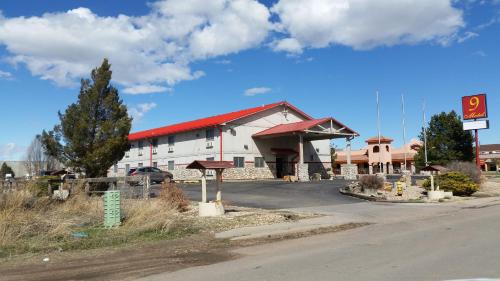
[[129, 187]]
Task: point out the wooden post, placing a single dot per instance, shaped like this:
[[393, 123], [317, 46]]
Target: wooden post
[[147, 186]]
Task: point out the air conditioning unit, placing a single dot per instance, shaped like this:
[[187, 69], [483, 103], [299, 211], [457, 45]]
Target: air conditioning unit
[[155, 150], [210, 144], [170, 149]]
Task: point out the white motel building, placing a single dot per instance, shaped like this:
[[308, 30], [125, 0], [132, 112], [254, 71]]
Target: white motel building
[[269, 141]]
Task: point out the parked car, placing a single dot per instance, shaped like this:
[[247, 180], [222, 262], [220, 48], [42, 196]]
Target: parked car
[[156, 175]]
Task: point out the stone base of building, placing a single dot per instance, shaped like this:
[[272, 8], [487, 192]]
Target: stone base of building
[[303, 172], [349, 171]]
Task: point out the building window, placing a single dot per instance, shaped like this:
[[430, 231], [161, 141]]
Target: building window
[[209, 133], [387, 148], [115, 168], [239, 162], [127, 168], [171, 140], [155, 142], [139, 165], [171, 165], [140, 145], [376, 149], [127, 154], [210, 173], [155, 164], [259, 162], [311, 157]]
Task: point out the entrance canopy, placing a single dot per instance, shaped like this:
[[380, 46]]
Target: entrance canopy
[[315, 129]]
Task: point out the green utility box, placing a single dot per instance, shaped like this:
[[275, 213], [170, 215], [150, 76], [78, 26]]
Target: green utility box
[[112, 213]]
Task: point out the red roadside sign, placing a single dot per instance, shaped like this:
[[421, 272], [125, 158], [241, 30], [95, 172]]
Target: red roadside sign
[[474, 107]]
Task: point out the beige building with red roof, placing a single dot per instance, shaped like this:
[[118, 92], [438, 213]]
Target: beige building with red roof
[[381, 156], [268, 141]]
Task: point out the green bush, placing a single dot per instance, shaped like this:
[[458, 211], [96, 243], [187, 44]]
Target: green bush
[[40, 186], [459, 183]]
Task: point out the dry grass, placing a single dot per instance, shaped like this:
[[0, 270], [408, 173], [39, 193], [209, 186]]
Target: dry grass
[[30, 224]]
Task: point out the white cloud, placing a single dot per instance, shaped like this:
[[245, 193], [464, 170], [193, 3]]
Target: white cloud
[[138, 111], [290, 45], [153, 49], [479, 53], [256, 91], [11, 151], [157, 50], [145, 89], [365, 24], [5, 74]]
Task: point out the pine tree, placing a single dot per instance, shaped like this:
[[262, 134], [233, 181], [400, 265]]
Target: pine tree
[[92, 134], [6, 169], [446, 141]]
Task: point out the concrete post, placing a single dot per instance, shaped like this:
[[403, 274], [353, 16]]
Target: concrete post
[[203, 186], [370, 169], [348, 148], [301, 149], [218, 176]]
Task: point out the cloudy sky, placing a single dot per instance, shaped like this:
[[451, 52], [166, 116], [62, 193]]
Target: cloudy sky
[[177, 60]]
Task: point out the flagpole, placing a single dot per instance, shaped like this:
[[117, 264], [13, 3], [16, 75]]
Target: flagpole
[[425, 133], [404, 128], [379, 136]]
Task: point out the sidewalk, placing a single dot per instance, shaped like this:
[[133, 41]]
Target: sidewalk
[[364, 212]]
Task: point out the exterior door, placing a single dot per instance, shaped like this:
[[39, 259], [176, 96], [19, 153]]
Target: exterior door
[[279, 167]]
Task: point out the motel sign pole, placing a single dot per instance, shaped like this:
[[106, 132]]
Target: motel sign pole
[[478, 161], [474, 108]]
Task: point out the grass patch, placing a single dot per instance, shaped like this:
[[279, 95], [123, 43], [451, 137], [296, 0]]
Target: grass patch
[[30, 223]]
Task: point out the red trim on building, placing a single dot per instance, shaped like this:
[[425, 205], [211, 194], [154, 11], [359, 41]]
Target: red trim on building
[[212, 121]]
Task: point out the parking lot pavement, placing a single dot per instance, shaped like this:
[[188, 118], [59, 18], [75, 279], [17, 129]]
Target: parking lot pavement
[[274, 194]]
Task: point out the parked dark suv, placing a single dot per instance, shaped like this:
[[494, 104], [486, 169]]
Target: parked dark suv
[[156, 175]]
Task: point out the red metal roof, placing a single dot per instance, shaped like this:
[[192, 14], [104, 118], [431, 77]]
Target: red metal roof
[[297, 127], [207, 164], [209, 121], [375, 139]]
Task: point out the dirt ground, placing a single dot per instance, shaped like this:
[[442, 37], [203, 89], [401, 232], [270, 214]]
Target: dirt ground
[[135, 261]]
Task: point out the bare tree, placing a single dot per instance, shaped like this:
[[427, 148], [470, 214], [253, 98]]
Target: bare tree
[[37, 158]]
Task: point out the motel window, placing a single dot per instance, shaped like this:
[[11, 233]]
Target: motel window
[[139, 165], [140, 145], [259, 162], [155, 143], [155, 164], [171, 140], [209, 134], [376, 149], [171, 165], [239, 162]]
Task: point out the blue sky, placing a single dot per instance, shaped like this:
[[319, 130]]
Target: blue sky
[[180, 60]]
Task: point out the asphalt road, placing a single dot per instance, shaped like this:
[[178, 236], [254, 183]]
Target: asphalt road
[[460, 244], [275, 194]]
